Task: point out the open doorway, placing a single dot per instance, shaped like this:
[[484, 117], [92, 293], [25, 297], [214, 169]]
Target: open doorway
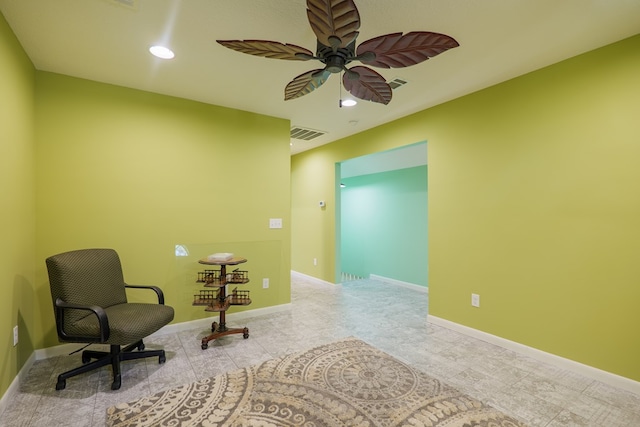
[[381, 216]]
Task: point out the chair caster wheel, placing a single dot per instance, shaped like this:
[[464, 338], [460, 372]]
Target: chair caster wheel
[[85, 359], [141, 347], [205, 346], [245, 333], [61, 384], [117, 382], [162, 358], [214, 326]]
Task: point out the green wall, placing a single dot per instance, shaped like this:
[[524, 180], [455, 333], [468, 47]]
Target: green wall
[[17, 204], [85, 164], [533, 204], [141, 173], [313, 178], [383, 225]]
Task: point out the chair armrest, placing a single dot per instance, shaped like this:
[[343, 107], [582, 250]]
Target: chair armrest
[[156, 289], [103, 321]]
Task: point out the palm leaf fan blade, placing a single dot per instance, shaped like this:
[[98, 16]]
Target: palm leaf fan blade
[[369, 86], [397, 51], [305, 83], [267, 49], [337, 18]]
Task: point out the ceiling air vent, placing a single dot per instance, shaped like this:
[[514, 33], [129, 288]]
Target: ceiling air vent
[[305, 134], [397, 82]]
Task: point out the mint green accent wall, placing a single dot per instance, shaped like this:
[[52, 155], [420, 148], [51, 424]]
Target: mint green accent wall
[[384, 225], [534, 200], [313, 178], [17, 205]]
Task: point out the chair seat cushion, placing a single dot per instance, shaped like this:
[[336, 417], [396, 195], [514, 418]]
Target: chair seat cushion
[[128, 322]]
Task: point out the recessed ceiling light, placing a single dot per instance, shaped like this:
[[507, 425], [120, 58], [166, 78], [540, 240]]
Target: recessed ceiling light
[[349, 103], [161, 52]]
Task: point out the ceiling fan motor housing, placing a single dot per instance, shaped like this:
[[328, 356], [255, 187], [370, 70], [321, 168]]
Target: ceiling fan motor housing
[[335, 59]]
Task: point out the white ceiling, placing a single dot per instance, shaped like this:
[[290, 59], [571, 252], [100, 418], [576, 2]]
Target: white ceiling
[[107, 41]]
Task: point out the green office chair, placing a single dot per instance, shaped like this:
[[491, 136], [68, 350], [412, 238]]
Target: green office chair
[[90, 306]]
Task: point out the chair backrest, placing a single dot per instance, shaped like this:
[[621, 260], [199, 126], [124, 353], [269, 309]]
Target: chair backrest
[[86, 277]]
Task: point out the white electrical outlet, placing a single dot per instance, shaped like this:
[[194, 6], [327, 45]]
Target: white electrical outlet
[[275, 222], [315, 261], [15, 335], [475, 300], [265, 283]]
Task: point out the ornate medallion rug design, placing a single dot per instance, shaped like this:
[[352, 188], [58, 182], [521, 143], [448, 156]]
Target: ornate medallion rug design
[[345, 383]]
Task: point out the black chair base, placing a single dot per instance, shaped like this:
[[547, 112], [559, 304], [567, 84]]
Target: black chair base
[[113, 358]]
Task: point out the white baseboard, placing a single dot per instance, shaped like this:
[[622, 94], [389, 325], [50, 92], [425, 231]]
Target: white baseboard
[[172, 328], [64, 349], [399, 283], [570, 365], [588, 371], [14, 387], [371, 276], [311, 279]]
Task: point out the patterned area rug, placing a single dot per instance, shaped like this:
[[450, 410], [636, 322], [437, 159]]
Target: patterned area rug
[[345, 383]]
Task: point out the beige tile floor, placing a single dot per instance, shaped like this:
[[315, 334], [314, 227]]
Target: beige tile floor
[[389, 317]]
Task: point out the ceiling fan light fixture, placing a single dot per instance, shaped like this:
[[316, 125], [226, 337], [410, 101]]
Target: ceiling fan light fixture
[[162, 52]]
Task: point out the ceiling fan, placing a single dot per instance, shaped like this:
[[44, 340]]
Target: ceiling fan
[[335, 24]]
